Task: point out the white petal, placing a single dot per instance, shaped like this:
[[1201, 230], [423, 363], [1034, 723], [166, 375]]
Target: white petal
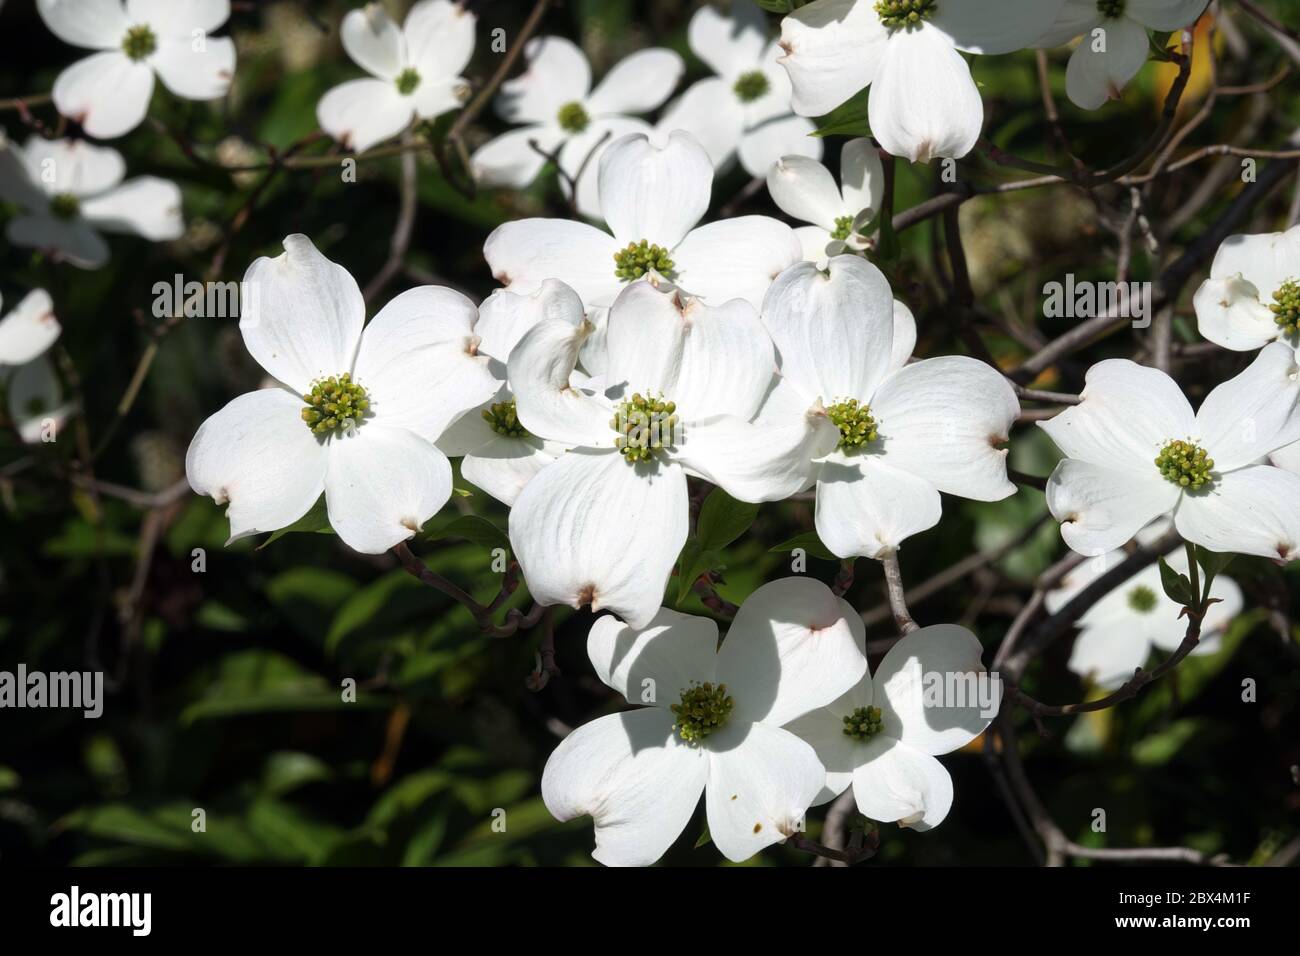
[[257, 454], [302, 314], [897, 784], [1166, 14], [1109, 655], [510, 161], [1103, 428], [788, 135], [1288, 457], [36, 401], [652, 192], [1231, 312], [439, 38], [1266, 261], [196, 74], [540, 371], [17, 183], [1100, 508], [823, 730], [72, 166], [503, 465], [929, 689], [581, 155], [833, 330], [736, 258], [638, 83], [438, 95], [179, 16], [525, 253], [862, 177], [948, 420], [654, 664], [865, 507], [636, 780], [557, 74], [904, 336], [924, 102], [818, 246], [1093, 78], [29, 330], [729, 45], [373, 41], [760, 786], [1076, 18], [995, 26], [1254, 510], [382, 485], [757, 462], [1254, 413], [505, 316], [804, 189], [418, 362], [710, 112], [106, 93], [363, 113], [579, 532], [97, 24], [74, 240], [833, 48], [147, 206], [793, 647]]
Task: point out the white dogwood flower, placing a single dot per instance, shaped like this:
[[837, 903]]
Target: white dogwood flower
[[603, 524], [1135, 451], [1115, 44], [1118, 633], [354, 413], [805, 190], [923, 102], [414, 71], [69, 190], [745, 108], [36, 403], [713, 724], [561, 113], [108, 92], [883, 734], [653, 196], [28, 331], [904, 433], [498, 453], [1252, 296]]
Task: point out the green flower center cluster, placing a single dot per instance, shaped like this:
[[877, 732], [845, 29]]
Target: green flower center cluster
[[750, 86], [904, 13], [407, 81], [503, 418], [1142, 599], [1185, 464], [335, 404], [573, 117], [644, 426], [642, 257], [65, 206], [1286, 307], [139, 42], [864, 723], [1111, 9], [703, 709], [843, 228], [855, 422]]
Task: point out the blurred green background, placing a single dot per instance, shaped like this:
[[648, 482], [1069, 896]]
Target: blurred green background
[[226, 685]]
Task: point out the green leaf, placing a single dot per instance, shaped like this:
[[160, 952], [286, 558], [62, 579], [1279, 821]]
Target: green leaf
[[723, 519], [704, 839], [693, 562], [807, 542], [315, 521], [777, 6], [1176, 585], [1212, 563], [847, 119], [471, 528]]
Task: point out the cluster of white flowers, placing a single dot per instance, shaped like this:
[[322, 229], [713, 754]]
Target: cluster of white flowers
[[612, 364]]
